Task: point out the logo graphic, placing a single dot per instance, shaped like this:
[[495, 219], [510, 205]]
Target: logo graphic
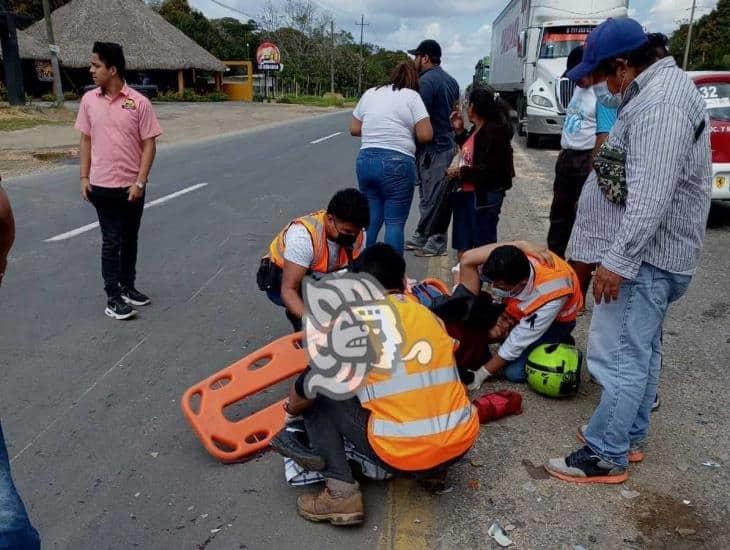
[[268, 57], [351, 328]]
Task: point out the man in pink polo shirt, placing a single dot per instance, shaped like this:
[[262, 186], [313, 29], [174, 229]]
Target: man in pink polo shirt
[[118, 132]]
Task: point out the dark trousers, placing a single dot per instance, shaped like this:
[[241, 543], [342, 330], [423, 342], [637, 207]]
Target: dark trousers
[[275, 297], [119, 220], [328, 421], [571, 172], [434, 204]]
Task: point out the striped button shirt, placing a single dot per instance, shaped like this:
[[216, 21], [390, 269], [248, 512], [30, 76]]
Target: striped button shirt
[[668, 175]]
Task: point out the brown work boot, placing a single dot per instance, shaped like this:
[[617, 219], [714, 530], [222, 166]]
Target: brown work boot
[[337, 510]]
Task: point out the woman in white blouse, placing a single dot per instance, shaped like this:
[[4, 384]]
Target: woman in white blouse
[[390, 119]]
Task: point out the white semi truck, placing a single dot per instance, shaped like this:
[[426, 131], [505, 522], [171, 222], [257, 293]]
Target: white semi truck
[[531, 40]]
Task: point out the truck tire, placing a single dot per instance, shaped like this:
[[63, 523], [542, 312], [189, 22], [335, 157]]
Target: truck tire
[[533, 140]]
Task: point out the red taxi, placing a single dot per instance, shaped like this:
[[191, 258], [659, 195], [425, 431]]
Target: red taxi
[[715, 88]]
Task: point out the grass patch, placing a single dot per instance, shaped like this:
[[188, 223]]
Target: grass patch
[[315, 101], [21, 118], [190, 96]]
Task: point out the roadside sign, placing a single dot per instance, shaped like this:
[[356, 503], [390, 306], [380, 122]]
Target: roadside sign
[[268, 57], [44, 71]]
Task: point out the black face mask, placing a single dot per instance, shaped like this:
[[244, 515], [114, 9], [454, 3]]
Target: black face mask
[[347, 241]]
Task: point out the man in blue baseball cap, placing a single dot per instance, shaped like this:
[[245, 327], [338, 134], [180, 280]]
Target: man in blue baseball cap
[[641, 219]]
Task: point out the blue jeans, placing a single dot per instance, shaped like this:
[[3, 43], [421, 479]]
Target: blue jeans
[[625, 355], [388, 180], [16, 532], [558, 332], [275, 297]]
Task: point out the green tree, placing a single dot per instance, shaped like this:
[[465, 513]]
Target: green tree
[[710, 48], [33, 9]]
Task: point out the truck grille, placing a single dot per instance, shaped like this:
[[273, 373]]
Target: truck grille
[[564, 92]]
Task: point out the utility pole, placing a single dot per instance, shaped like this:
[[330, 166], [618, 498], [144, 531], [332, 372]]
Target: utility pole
[[11, 56], [332, 57], [57, 88], [362, 26], [689, 35]]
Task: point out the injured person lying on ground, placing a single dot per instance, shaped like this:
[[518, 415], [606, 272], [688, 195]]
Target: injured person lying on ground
[[541, 296], [409, 416]]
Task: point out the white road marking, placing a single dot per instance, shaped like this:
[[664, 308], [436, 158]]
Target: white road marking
[[162, 200], [205, 285], [77, 401], [325, 138]]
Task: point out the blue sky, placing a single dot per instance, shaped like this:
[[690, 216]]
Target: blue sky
[[463, 27]]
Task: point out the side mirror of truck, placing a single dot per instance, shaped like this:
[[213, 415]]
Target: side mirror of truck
[[522, 46]]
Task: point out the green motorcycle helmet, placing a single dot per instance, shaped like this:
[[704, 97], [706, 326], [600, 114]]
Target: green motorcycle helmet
[[553, 370]]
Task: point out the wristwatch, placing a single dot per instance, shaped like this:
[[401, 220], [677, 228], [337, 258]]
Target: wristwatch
[[140, 185]]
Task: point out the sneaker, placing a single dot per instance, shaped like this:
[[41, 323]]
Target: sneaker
[[655, 404], [636, 453], [583, 466], [416, 242], [134, 297], [286, 444], [429, 252], [325, 506], [116, 308]]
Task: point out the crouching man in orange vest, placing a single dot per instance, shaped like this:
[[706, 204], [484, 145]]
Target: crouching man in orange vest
[[542, 296], [318, 243], [411, 416]]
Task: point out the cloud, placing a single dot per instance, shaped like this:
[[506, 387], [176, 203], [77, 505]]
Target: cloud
[[666, 15]]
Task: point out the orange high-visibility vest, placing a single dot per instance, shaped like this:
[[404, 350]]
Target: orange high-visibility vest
[[550, 283], [420, 415], [314, 223]]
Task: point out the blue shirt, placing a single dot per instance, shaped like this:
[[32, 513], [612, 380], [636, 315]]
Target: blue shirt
[[439, 92], [605, 118]]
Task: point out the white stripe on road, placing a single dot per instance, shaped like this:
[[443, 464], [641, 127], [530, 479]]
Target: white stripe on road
[[73, 233], [156, 202], [325, 138]]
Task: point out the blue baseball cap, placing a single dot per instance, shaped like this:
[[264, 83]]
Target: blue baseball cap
[[606, 41]]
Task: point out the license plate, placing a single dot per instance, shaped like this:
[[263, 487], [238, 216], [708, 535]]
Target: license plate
[[720, 182]]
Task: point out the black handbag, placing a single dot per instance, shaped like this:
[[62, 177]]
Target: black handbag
[[268, 276]]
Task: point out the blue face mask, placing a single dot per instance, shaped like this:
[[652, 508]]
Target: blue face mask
[[605, 97]]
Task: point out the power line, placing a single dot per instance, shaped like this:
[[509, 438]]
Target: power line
[[231, 8]]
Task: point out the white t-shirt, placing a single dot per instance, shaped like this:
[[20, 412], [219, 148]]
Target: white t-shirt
[[298, 248], [579, 129], [389, 119]]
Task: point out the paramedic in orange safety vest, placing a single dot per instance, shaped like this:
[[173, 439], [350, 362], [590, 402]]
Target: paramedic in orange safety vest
[[542, 296], [413, 419], [318, 243]]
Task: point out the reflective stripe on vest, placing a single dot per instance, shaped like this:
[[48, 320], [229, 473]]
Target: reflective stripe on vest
[[425, 427], [402, 382], [545, 288]]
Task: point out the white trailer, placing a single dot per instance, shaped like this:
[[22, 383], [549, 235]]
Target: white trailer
[[531, 40]]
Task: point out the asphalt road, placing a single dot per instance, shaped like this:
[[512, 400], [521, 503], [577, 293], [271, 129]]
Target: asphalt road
[[85, 401], [104, 458]]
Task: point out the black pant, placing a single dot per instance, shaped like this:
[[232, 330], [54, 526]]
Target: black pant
[[571, 172], [328, 421], [119, 220]]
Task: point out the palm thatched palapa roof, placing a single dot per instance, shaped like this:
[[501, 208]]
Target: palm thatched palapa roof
[[149, 42], [30, 47]]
